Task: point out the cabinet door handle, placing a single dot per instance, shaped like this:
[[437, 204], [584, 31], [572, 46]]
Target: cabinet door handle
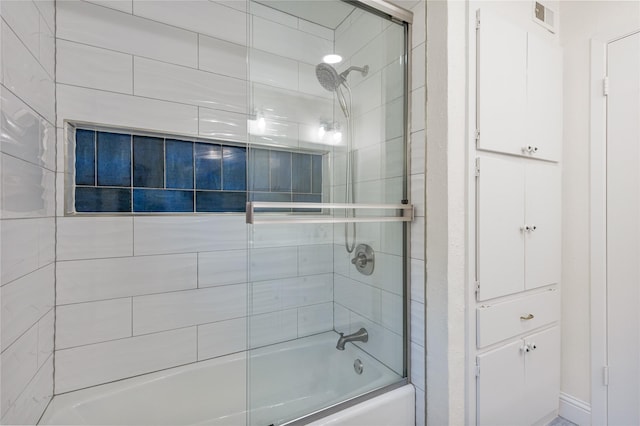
[[527, 317]]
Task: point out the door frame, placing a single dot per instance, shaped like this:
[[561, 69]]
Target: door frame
[[598, 227]]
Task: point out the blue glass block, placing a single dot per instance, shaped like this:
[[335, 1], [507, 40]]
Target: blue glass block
[[276, 197], [103, 200], [234, 168], [301, 173], [114, 159], [162, 200], [148, 162], [85, 157], [316, 174], [227, 201], [208, 159], [280, 165], [179, 160], [307, 198], [258, 170]]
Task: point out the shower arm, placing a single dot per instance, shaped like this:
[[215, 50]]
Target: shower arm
[[363, 70]]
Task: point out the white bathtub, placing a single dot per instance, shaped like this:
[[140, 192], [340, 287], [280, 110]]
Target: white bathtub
[[286, 381]]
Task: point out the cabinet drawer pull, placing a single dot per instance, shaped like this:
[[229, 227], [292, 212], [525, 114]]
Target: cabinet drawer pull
[[527, 317]]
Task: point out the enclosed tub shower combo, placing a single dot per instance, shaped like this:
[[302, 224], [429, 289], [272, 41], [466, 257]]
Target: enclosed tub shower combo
[[250, 268]]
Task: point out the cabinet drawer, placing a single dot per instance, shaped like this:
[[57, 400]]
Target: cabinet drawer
[[501, 321]]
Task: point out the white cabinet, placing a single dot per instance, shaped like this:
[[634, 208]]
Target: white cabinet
[[519, 383], [518, 226], [519, 90]]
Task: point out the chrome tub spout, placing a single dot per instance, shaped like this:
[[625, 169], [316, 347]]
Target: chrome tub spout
[[359, 336]]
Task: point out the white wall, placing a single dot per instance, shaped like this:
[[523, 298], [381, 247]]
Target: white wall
[[27, 197], [581, 21], [138, 294]]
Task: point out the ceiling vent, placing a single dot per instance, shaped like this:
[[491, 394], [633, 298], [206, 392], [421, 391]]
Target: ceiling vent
[[544, 16]]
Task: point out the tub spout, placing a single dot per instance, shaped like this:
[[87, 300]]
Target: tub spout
[[359, 336]]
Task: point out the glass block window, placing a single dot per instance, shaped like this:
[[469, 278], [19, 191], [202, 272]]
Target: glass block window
[[128, 173]]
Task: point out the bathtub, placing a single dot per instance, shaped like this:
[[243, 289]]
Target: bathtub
[[286, 381]]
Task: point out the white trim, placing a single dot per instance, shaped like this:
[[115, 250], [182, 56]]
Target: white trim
[[598, 151], [574, 410]]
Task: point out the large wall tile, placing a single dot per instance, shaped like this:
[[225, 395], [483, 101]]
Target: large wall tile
[[27, 190], [273, 70], [200, 16], [184, 308], [102, 27], [222, 125], [222, 267], [358, 297], [18, 366], [94, 237], [24, 19], [315, 319], [222, 338], [383, 344], [222, 57], [47, 52], [289, 42], [25, 134], [92, 322], [315, 259], [93, 67], [97, 106], [28, 407], [24, 302], [24, 75], [46, 337], [273, 328], [47, 9], [159, 80], [158, 235], [27, 244], [121, 5], [89, 280], [90, 365], [272, 263]]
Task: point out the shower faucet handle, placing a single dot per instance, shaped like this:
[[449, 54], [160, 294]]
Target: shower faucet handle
[[360, 260]]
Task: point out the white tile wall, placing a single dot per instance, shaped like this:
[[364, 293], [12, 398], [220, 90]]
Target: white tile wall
[[122, 5], [158, 80], [158, 235], [93, 322], [222, 267], [203, 17], [167, 311], [221, 338], [273, 263], [273, 327], [94, 67], [103, 27], [222, 57], [25, 76], [27, 195], [24, 302], [90, 280], [115, 109], [84, 366], [222, 125], [25, 134], [94, 237], [27, 245], [27, 189], [315, 319]]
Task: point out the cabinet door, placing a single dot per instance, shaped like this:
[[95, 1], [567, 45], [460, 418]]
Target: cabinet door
[[544, 98], [543, 245], [542, 374], [500, 262], [500, 386], [502, 84]]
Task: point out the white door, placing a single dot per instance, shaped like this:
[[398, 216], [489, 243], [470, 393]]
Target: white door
[[500, 219], [623, 231], [543, 239]]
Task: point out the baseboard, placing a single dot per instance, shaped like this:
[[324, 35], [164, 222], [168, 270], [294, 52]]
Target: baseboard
[[575, 410]]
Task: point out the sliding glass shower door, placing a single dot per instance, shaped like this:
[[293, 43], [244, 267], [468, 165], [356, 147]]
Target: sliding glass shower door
[[327, 206]]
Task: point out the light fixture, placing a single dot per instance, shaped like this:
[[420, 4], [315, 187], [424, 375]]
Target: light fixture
[[332, 58]]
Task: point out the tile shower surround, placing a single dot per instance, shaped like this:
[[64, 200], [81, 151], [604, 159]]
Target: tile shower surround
[[123, 172]]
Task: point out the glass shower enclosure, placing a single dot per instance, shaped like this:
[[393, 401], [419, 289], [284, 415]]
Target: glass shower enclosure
[[327, 206]]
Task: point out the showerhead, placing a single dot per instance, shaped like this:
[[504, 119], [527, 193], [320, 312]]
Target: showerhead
[[328, 77], [331, 81]]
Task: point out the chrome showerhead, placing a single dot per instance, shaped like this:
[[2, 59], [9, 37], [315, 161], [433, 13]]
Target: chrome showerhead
[[328, 77]]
